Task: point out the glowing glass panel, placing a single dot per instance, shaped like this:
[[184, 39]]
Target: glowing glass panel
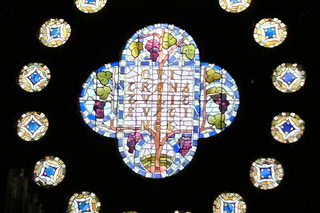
[[288, 78], [34, 77], [32, 126], [270, 32], [229, 203], [86, 202], [90, 6], [266, 173], [54, 32], [287, 127], [182, 212], [234, 6], [219, 100], [152, 100], [49, 171]]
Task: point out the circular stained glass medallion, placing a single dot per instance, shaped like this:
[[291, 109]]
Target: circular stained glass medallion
[[49, 171], [34, 77], [229, 202], [219, 100], [234, 6], [266, 173], [288, 78], [270, 32], [90, 6], [287, 127], [84, 202], [32, 126], [54, 32]]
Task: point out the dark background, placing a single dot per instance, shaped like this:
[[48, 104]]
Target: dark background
[[222, 162]]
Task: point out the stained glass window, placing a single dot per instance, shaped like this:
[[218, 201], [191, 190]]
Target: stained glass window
[[219, 100], [54, 32], [234, 6], [34, 77], [84, 202], [287, 127], [182, 212], [270, 32], [230, 203], [31, 126], [49, 171], [266, 173], [288, 78], [90, 6]]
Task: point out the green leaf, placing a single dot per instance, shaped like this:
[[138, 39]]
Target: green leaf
[[168, 40], [135, 48], [188, 50], [104, 77], [217, 120], [212, 76], [103, 92]]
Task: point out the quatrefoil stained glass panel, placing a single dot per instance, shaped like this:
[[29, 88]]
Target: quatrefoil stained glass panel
[[32, 126], [287, 127], [288, 78], [266, 173], [49, 171], [84, 202], [270, 32], [54, 32], [158, 100], [34, 77]]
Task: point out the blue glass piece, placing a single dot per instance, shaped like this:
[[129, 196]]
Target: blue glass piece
[[101, 132], [195, 116], [49, 171], [234, 1], [228, 76], [196, 95], [123, 154], [120, 143], [197, 81], [265, 173], [204, 64], [131, 63], [82, 92], [236, 107], [195, 142], [287, 127], [122, 70], [156, 175], [228, 83], [145, 63], [172, 59], [185, 163], [188, 63], [83, 207], [169, 171], [217, 67], [89, 79], [34, 78], [196, 129], [151, 27], [229, 208], [176, 148], [136, 153], [289, 77], [130, 165], [90, 83], [270, 32], [92, 117], [107, 118], [33, 126], [143, 173], [236, 93], [231, 118], [122, 84], [212, 133], [91, 1], [91, 125], [185, 34], [121, 114], [113, 135], [113, 64], [135, 36], [55, 32]]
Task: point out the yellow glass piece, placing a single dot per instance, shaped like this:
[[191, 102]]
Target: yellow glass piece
[[234, 6], [90, 6], [270, 32], [54, 32]]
